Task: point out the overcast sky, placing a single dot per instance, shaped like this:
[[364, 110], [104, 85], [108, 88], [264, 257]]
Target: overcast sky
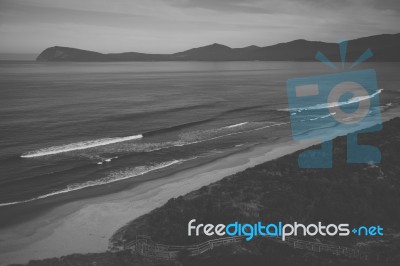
[[166, 26]]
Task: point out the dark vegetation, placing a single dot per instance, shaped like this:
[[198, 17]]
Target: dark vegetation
[[358, 194]]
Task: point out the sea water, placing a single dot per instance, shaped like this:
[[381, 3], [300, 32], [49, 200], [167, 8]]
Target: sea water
[[67, 127]]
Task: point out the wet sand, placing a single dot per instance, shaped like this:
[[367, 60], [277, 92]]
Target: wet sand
[[86, 225]]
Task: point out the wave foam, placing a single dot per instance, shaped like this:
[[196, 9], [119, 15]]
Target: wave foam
[[237, 125], [194, 137], [78, 146], [113, 177], [333, 104]]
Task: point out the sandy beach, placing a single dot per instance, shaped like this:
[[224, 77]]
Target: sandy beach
[[85, 226]]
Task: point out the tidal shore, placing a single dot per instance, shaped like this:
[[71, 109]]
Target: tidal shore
[[85, 226]]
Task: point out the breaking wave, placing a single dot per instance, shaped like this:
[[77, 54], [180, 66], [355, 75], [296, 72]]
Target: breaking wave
[[78, 146], [237, 125], [333, 104], [111, 178], [196, 136]]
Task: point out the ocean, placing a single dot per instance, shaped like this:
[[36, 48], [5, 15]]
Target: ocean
[[72, 130]]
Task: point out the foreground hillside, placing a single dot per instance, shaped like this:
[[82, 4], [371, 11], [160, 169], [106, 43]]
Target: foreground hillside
[[278, 190]]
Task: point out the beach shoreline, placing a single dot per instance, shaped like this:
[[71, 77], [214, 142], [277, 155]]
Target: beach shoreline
[[85, 226]]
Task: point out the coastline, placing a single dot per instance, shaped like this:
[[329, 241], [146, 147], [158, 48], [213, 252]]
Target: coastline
[[89, 224], [85, 226]]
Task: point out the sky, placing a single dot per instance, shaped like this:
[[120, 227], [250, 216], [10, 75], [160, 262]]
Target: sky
[[168, 26]]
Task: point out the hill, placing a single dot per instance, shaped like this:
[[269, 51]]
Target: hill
[[385, 48], [358, 194]]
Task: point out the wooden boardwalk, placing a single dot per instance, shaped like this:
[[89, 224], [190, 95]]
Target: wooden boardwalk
[[143, 245]]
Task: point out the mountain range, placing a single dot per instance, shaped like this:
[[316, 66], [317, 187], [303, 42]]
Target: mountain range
[[385, 47]]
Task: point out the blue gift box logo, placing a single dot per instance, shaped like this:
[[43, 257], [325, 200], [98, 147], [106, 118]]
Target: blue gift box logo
[[326, 106]]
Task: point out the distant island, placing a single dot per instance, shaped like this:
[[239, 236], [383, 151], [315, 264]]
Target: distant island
[[385, 48]]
